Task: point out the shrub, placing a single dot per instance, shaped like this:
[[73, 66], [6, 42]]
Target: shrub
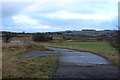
[[41, 37], [100, 39]]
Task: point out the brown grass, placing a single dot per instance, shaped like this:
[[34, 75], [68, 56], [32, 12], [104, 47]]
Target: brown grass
[[9, 52], [9, 67], [22, 38], [16, 45], [26, 67]]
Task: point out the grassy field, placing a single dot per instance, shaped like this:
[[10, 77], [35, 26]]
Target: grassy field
[[103, 47], [26, 67], [100, 48]]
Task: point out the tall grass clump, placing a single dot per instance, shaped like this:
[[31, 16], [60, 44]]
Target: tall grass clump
[[17, 46]]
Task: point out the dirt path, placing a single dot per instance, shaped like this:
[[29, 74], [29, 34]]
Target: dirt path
[[75, 64]]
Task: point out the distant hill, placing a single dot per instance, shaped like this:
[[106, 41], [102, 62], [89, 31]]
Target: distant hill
[[85, 33], [88, 30]]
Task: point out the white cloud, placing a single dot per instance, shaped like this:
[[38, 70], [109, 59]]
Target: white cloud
[[42, 27], [42, 6], [24, 20], [59, 0], [74, 10], [70, 15], [53, 5]]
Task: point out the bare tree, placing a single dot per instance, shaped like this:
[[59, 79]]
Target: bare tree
[[6, 37]]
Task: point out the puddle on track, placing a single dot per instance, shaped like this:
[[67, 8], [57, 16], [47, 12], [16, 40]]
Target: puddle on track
[[79, 58]]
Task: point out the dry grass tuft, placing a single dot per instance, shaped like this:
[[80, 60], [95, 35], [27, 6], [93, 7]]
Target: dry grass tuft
[[18, 45]]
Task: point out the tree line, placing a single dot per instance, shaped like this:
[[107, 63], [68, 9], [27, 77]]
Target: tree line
[[113, 39]]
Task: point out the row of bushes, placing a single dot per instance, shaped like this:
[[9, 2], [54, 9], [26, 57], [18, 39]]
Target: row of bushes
[[37, 37]]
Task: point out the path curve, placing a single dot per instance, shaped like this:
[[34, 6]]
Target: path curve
[[76, 64]]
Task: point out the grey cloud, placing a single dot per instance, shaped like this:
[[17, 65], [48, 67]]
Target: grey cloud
[[12, 8]]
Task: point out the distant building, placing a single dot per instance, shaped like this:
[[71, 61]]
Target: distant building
[[88, 30]]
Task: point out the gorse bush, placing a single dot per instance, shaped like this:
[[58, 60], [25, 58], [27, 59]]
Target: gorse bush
[[41, 37], [114, 40]]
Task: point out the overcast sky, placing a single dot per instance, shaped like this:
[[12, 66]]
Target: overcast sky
[[58, 15]]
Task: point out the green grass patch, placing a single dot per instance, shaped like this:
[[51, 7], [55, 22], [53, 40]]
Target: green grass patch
[[103, 47]]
